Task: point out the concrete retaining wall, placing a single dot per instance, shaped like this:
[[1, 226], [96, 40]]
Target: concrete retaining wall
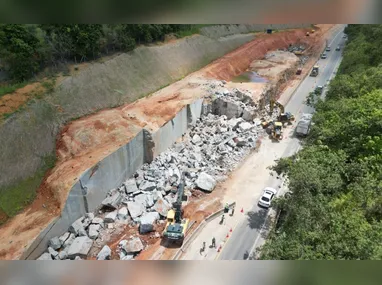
[[87, 194]]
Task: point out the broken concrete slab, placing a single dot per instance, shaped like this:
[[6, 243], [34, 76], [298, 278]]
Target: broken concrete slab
[[53, 253], [147, 186], [68, 242], [141, 199], [55, 243], [111, 217], [104, 254], [136, 209], [245, 126], [94, 231], [77, 228], [132, 246], [45, 256], [98, 221], [162, 207], [205, 182], [130, 186], [80, 247], [149, 218], [122, 213], [112, 201], [62, 255]]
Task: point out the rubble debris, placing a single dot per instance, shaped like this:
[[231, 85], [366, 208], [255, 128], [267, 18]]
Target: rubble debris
[[112, 201], [80, 247], [62, 255], [45, 256], [55, 243], [104, 254], [162, 207], [94, 231], [131, 246], [206, 182], [111, 217], [136, 209], [77, 228], [130, 186], [53, 253], [122, 213]]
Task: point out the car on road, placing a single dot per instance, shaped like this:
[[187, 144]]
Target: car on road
[[319, 89], [344, 36], [266, 198], [328, 48], [323, 56], [338, 48]]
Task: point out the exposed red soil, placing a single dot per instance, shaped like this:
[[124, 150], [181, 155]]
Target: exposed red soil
[[84, 142]]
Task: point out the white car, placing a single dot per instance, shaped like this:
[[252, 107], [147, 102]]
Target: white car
[[266, 198]]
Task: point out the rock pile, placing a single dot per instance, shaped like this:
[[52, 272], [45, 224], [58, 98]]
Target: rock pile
[[211, 148]]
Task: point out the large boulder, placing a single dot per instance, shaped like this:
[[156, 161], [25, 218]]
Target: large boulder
[[147, 186], [112, 201], [162, 207], [131, 186], [45, 256], [111, 217], [132, 246], [205, 182], [77, 228], [142, 199], [55, 243], [136, 209], [104, 254], [68, 239], [149, 218], [94, 231], [53, 253], [80, 247], [122, 213]]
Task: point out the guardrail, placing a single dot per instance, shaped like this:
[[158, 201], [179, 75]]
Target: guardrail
[[192, 235]]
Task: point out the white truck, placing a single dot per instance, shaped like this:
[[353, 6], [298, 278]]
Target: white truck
[[304, 124]]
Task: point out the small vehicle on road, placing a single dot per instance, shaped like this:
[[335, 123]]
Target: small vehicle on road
[[319, 89], [328, 48], [323, 56], [299, 71], [266, 198], [338, 48]]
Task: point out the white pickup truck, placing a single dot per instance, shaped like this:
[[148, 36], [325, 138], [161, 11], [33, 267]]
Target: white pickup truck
[[304, 124]]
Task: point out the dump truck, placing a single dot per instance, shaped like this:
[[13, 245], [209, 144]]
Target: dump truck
[[314, 71], [177, 225], [303, 125]]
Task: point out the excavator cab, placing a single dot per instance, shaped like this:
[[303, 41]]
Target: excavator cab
[[287, 117], [277, 131]]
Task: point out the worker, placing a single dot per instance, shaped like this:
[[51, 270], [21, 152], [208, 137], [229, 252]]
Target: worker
[[233, 210], [222, 220], [226, 208], [213, 242]]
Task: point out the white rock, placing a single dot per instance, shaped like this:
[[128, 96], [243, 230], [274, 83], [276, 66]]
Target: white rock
[[162, 207], [45, 256], [135, 209], [132, 246], [53, 253], [94, 231], [111, 217], [62, 255], [55, 243], [245, 126], [112, 201], [147, 186], [80, 247], [122, 213], [205, 182], [77, 228], [104, 254], [131, 186], [149, 218], [196, 140]]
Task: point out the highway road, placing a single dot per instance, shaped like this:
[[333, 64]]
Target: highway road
[[251, 233], [243, 232]]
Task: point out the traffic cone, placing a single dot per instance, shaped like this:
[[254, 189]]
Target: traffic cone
[[230, 230], [242, 210], [219, 248], [227, 236]]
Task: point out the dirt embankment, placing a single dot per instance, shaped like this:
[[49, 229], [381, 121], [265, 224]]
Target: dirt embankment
[[86, 141]]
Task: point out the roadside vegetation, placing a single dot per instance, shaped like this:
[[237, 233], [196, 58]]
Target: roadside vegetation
[[335, 209], [26, 50]]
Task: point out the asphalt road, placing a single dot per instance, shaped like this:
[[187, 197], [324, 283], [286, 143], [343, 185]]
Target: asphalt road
[[251, 232]]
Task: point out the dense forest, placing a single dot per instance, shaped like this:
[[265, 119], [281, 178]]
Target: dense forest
[[335, 209], [27, 49]]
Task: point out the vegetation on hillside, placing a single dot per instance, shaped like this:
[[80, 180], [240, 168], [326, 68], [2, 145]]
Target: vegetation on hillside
[[27, 49], [335, 209]]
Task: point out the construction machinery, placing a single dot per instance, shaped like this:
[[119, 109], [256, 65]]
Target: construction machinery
[[177, 226], [277, 131], [286, 118], [314, 71], [299, 71]]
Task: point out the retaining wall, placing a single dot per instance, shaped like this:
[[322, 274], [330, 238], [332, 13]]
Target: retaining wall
[[94, 184]]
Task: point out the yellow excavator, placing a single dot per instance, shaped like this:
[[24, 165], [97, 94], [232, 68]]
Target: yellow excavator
[[283, 117], [277, 132], [177, 226]]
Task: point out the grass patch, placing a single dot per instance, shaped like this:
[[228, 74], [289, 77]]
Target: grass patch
[[49, 85], [9, 88], [195, 29], [14, 198]]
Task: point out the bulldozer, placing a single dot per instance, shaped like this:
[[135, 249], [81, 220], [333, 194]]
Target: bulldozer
[[177, 225], [277, 131]]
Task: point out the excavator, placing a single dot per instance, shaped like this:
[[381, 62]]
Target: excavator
[[284, 117], [176, 226], [277, 131]]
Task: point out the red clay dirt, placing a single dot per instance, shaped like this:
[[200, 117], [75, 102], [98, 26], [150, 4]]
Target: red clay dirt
[[86, 141]]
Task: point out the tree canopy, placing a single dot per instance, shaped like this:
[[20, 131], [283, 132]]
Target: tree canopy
[[335, 209]]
